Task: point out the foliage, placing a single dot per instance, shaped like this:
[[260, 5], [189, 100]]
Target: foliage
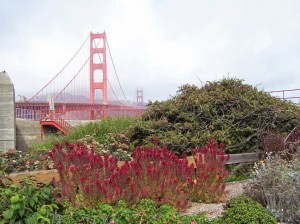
[[277, 186], [281, 144], [243, 210], [145, 212], [17, 161], [106, 136], [239, 172], [87, 178], [227, 110], [211, 176], [26, 202], [116, 145], [98, 129]]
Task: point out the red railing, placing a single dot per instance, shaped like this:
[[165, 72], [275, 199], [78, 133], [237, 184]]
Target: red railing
[[48, 117], [284, 94]]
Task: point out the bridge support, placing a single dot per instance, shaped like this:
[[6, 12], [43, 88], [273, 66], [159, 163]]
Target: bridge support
[[140, 97], [102, 85]]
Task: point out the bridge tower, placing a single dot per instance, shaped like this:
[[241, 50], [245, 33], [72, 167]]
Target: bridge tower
[[102, 85], [140, 97]]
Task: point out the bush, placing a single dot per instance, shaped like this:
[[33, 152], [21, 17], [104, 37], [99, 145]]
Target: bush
[[227, 111], [146, 212], [211, 176], [243, 210], [277, 187], [88, 178], [280, 144], [26, 202]]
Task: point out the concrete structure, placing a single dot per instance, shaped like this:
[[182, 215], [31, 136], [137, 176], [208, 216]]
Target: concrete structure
[[27, 132], [7, 113]]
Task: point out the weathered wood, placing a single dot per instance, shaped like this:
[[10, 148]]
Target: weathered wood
[[244, 158], [237, 158]]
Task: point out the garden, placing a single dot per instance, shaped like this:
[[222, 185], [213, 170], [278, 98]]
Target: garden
[[154, 169]]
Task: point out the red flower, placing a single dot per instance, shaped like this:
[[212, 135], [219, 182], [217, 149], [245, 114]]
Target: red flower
[[87, 189], [82, 180]]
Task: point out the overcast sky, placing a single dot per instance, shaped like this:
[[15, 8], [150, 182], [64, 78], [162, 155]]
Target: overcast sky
[[157, 45]]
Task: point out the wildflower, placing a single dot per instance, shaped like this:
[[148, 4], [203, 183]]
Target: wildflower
[[73, 168], [87, 189], [155, 139], [82, 180]]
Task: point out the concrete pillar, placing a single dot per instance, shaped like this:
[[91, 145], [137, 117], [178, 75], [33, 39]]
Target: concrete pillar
[[7, 113]]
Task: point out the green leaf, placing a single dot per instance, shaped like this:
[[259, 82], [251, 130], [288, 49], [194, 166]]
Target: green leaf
[[54, 206], [21, 212], [32, 202], [14, 199], [47, 190], [15, 207], [39, 217], [8, 214]]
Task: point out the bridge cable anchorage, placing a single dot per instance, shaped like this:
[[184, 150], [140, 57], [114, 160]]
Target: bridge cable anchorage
[[116, 71], [108, 79], [61, 69], [73, 78]]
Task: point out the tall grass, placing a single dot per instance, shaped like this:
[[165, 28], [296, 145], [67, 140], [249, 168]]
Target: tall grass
[[98, 129]]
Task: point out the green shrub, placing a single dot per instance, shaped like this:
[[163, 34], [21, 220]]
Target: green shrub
[[243, 210], [26, 202], [146, 212], [228, 111], [277, 186]]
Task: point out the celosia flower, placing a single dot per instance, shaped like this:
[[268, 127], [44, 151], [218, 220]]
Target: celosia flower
[[155, 139], [87, 189], [82, 180], [73, 168]]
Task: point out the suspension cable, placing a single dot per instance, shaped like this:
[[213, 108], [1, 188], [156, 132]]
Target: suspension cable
[[116, 71], [73, 78], [61, 69]]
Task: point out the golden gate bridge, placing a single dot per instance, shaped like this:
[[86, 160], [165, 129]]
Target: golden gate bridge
[[81, 90]]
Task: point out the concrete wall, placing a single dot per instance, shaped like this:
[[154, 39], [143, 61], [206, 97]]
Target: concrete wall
[[7, 113], [27, 132]]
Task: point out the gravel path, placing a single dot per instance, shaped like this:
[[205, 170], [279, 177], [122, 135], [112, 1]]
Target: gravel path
[[233, 189]]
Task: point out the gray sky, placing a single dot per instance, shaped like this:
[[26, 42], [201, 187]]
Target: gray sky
[[157, 45]]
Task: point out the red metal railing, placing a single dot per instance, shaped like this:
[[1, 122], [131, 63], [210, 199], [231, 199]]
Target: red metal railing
[[284, 94], [49, 116]]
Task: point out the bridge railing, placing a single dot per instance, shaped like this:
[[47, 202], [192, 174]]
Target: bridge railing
[[287, 94], [49, 115], [28, 114]]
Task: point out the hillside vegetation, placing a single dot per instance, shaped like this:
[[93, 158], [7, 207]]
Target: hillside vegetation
[[227, 110]]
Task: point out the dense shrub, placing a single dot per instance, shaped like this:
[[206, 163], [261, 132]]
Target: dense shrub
[[280, 144], [228, 111], [277, 187], [26, 202], [243, 210], [88, 178], [146, 212]]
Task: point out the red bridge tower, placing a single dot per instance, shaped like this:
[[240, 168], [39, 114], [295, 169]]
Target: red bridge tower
[[102, 85]]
